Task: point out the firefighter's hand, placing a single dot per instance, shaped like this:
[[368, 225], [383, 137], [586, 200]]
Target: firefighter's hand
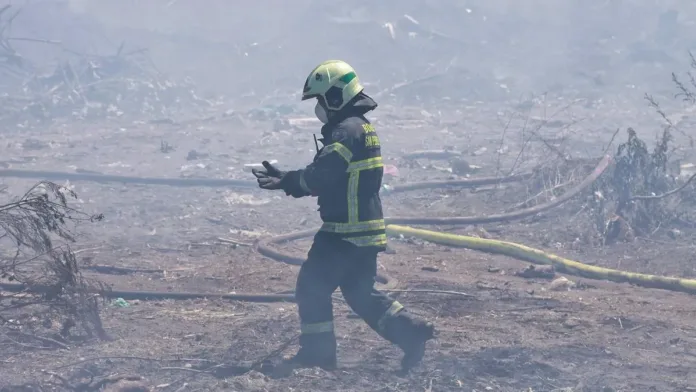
[[268, 171], [269, 183]]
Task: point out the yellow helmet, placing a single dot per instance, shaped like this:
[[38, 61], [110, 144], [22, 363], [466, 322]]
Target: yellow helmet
[[334, 82]]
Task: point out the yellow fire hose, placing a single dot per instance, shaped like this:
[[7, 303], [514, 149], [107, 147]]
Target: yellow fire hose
[[537, 256], [266, 248], [511, 249]]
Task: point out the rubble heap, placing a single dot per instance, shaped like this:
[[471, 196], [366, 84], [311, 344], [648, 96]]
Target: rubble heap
[[11, 63], [88, 87]]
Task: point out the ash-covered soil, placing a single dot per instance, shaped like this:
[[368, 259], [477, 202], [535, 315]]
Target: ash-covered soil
[[510, 333], [514, 109]]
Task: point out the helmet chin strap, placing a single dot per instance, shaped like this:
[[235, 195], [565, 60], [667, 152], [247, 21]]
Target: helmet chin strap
[[321, 113]]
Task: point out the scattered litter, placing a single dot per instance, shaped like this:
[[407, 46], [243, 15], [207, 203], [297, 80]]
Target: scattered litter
[[674, 233], [391, 170], [189, 170], [411, 19], [571, 323], [489, 188], [34, 144], [441, 168], [193, 155], [302, 122], [127, 385], [460, 167], [92, 87], [233, 242], [432, 154], [271, 112], [233, 198], [426, 114], [120, 302], [482, 233], [249, 233], [561, 284], [480, 151], [537, 271], [390, 29], [687, 170], [117, 164], [259, 165]]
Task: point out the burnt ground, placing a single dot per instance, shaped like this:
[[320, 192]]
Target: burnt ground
[[511, 87], [509, 334]]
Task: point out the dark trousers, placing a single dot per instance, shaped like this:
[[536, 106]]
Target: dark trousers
[[334, 263]]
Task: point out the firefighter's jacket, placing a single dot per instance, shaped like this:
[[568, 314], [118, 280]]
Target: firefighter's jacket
[[346, 176]]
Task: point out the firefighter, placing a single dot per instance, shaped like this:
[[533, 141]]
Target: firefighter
[[345, 176]]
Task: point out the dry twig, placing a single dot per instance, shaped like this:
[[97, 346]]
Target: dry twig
[[31, 225], [428, 291], [666, 194]]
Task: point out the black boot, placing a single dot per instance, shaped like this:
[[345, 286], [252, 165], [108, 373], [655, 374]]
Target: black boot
[[414, 348], [306, 358], [410, 334], [316, 350]]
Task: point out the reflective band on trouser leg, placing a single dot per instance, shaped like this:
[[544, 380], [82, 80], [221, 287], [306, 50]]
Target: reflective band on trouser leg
[[395, 308], [324, 327]]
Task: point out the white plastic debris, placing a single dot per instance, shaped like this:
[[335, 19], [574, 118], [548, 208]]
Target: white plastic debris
[[561, 284], [390, 29], [411, 19], [259, 165], [232, 198]]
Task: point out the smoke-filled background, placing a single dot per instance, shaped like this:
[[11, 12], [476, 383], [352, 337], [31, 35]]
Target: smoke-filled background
[[493, 50], [529, 94]]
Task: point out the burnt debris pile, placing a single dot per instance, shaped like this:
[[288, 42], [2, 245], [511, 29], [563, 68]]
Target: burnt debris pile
[[81, 86]]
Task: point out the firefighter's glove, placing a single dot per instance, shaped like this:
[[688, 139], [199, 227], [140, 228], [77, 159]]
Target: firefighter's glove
[[269, 183], [268, 171], [269, 177]]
